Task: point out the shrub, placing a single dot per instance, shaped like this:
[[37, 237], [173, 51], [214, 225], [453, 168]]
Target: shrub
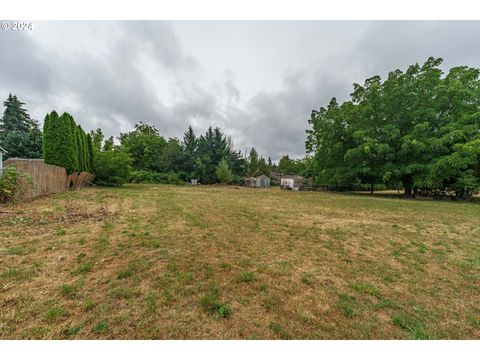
[[211, 302], [144, 177], [152, 177], [112, 168], [12, 184]]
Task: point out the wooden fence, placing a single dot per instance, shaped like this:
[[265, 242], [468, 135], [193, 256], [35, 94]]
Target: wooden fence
[[46, 179]]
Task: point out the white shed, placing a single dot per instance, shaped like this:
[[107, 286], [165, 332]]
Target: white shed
[[291, 182]]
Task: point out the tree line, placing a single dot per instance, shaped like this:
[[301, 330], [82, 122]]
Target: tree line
[[142, 155], [418, 129], [151, 158]]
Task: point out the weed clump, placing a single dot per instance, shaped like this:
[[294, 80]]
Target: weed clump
[[211, 303]]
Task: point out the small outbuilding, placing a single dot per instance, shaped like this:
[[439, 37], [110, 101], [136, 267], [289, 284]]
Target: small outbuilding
[[292, 182], [262, 181]]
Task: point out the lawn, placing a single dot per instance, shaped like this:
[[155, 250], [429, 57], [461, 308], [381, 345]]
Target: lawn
[[166, 262]]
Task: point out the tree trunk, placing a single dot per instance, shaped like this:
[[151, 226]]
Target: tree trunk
[[407, 183], [371, 188]]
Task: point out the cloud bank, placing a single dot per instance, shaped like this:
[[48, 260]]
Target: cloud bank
[[258, 81]]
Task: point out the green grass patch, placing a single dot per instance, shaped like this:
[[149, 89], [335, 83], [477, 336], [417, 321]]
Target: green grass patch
[[68, 290], [84, 268], [211, 302], [307, 279], [366, 288], [17, 250], [55, 313], [121, 293], [347, 304], [411, 324], [101, 327], [246, 276], [71, 331]]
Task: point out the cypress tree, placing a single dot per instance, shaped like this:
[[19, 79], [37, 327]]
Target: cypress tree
[[71, 149], [73, 143], [80, 157], [46, 138], [66, 144], [54, 147], [85, 151], [91, 155]]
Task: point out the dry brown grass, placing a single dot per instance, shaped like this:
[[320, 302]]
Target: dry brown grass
[[159, 262]]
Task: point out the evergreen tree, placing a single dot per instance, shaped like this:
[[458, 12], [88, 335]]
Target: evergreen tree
[[59, 146], [190, 142], [91, 153], [253, 162], [223, 172], [86, 154], [79, 142], [74, 144], [212, 148], [35, 141], [190, 145], [47, 138], [54, 142], [19, 134]]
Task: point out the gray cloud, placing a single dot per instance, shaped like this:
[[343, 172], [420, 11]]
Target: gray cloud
[[259, 81], [23, 66]]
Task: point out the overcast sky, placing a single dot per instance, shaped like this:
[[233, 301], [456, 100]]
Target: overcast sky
[[258, 81]]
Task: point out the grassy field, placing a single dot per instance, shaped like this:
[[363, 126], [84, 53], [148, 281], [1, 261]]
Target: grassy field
[[165, 262]]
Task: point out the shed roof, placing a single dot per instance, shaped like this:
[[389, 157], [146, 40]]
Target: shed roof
[[292, 177], [262, 176]]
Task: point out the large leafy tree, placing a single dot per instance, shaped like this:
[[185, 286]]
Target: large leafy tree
[[145, 146], [97, 140], [287, 166], [172, 158], [418, 128], [19, 134]]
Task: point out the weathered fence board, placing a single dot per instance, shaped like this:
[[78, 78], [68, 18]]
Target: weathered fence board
[[47, 179]]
